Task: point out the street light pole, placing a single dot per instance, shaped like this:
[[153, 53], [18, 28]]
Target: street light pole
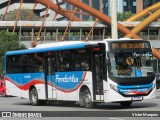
[[113, 8]]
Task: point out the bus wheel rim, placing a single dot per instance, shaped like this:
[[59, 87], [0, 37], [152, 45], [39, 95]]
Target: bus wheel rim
[[34, 97], [87, 99]]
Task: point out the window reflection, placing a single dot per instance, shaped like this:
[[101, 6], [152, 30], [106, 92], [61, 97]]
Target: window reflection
[[133, 64]]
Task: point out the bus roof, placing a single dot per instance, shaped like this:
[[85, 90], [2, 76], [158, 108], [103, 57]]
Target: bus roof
[[63, 45], [51, 47], [122, 39]]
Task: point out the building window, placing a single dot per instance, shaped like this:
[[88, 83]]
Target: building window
[[84, 17], [129, 5]]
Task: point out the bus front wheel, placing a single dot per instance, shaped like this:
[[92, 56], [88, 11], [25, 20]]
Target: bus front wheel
[[33, 96], [88, 99], [3, 94], [126, 103]]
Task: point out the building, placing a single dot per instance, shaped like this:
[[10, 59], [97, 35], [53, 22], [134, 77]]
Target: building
[[40, 10], [135, 6]]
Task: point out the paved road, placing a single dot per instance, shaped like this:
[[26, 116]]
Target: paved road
[[110, 109]]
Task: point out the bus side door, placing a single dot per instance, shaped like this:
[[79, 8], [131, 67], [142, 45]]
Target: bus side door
[[51, 83], [97, 66]]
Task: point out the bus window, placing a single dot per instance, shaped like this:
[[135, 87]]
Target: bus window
[[81, 60], [37, 62], [51, 63], [12, 65], [25, 64], [65, 60], [130, 63]]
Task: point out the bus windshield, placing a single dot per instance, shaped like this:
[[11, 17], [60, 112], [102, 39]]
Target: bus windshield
[[131, 64]]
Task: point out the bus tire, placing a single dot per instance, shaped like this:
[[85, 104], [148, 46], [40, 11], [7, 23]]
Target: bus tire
[[3, 94], [88, 99], [81, 97], [126, 103], [33, 96]]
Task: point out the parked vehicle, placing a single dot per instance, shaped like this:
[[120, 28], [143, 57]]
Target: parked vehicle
[[2, 88]]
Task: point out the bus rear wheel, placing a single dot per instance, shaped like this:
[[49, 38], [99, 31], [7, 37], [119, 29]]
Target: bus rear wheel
[[126, 103], [33, 96]]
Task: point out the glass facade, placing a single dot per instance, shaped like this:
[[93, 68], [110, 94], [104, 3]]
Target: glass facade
[[105, 6], [147, 3], [129, 5], [84, 17], [96, 5]]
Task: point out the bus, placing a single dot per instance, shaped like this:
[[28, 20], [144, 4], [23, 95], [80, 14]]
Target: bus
[[116, 71]]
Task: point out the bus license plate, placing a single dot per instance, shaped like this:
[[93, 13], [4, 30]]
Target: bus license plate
[[136, 98]]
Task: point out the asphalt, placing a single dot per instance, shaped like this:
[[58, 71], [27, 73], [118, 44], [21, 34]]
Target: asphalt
[[158, 93]]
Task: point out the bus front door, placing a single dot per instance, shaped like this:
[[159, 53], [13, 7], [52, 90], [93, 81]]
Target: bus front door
[[51, 84], [98, 75]]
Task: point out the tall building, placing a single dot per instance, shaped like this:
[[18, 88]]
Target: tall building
[[134, 6]]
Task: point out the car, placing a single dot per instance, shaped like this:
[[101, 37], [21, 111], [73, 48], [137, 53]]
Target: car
[[157, 80], [2, 88]]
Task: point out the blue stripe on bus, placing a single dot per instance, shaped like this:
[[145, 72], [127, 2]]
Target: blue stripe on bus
[[135, 86], [21, 79], [63, 81], [135, 89], [37, 50]]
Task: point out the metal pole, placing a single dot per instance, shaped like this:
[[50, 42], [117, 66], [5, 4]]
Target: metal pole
[[113, 4], [104, 33], [44, 35], [92, 36], [159, 34], [148, 36], [20, 33], [56, 34], [80, 36], [32, 34], [69, 34]]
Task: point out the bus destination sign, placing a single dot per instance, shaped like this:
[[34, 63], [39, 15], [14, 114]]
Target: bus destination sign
[[129, 45]]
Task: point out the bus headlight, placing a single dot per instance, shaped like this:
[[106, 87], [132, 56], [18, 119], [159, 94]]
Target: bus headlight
[[114, 87]]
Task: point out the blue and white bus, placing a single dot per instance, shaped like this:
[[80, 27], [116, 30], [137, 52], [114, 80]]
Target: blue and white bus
[[86, 72]]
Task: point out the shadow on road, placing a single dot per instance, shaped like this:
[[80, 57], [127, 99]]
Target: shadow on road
[[103, 106]]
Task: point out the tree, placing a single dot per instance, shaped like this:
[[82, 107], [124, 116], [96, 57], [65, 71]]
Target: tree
[[8, 42], [124, 15], [23, 15]]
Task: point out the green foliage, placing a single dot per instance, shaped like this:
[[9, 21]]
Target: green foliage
[[8, 42], [124, 15], [23, 15]]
